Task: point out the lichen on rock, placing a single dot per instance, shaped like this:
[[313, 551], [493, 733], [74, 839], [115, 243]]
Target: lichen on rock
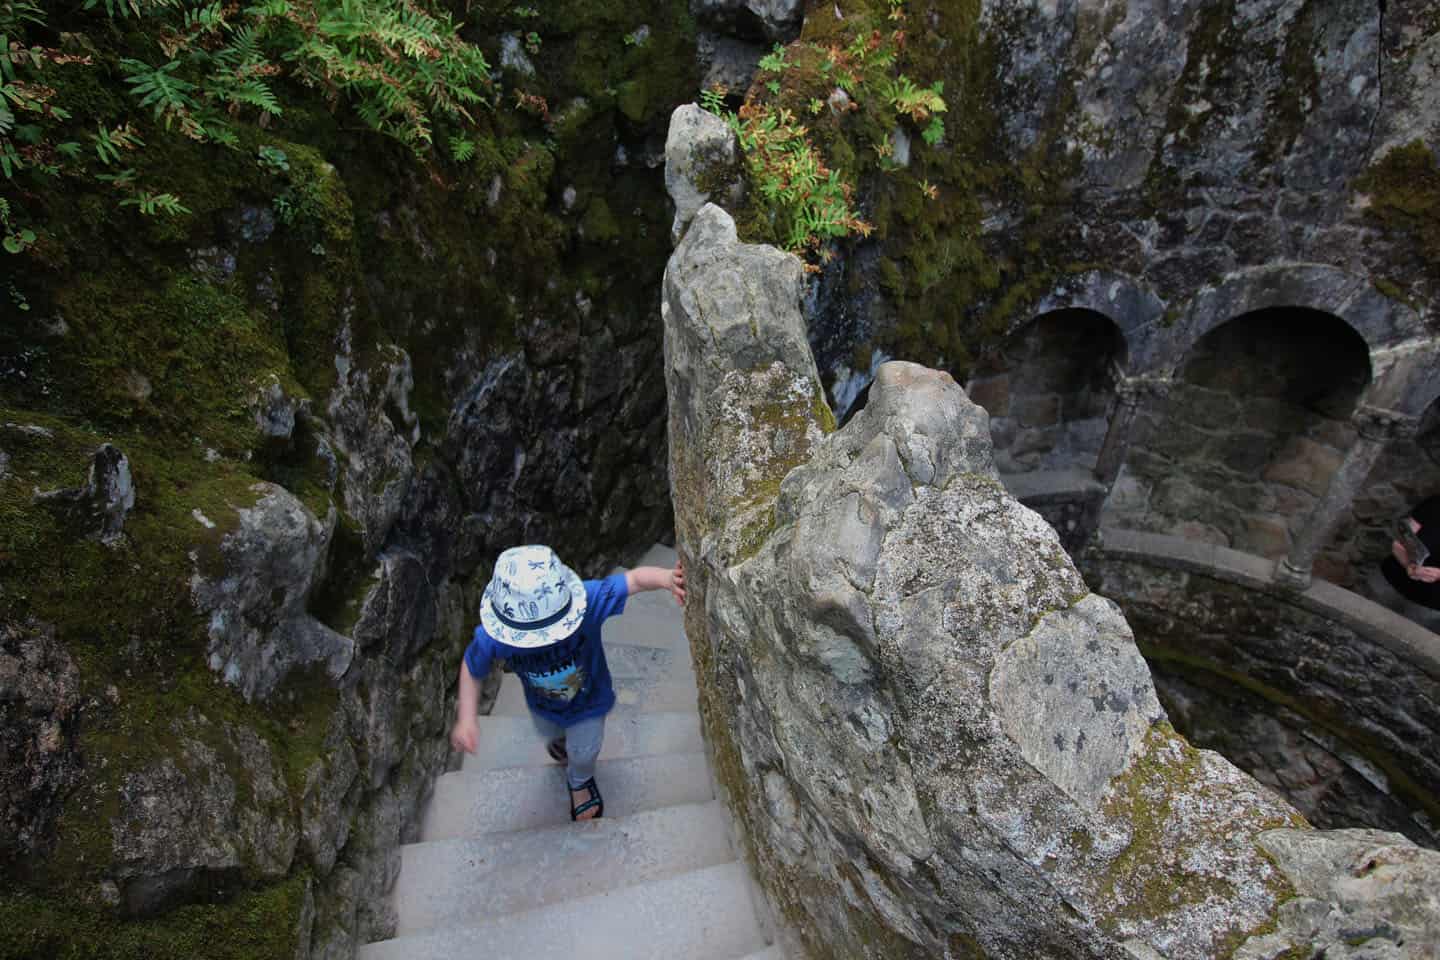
[[934, 737]]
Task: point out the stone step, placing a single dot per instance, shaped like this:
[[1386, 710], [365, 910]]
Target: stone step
[[769, 953], [632, 695], [455, 882], [700, 915], [467, 804], [512, 741], [650, 620]]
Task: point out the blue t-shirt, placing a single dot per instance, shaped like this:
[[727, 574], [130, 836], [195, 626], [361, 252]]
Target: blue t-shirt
[[568, 681]]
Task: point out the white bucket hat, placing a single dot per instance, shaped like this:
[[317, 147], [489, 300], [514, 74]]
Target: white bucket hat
[[533, 600]]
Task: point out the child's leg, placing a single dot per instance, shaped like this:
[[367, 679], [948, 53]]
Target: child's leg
[[550, 731], [583, 742]]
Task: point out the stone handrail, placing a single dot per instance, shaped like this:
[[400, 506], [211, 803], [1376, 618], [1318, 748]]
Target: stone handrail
[[1386, 628]]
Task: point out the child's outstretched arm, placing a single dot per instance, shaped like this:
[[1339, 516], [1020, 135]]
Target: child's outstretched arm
[[465, 735], [658, 578]]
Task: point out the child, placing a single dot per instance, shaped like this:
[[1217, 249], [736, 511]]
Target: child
[[538, 615]]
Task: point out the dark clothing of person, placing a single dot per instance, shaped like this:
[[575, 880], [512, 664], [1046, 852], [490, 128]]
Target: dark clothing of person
[[1427, 514]]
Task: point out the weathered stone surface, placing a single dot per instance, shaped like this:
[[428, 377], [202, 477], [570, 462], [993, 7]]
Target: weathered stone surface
[[39, 700], [1363, 895], [700, 151], [259, 625], [751, 19], [935, 738], [718, 295], [215, 809], [726, 62], [1335, 720], [97, 509], [1076, 696], [374, 449]]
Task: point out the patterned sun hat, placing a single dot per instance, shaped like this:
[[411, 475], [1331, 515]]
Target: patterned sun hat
[[533, 600]]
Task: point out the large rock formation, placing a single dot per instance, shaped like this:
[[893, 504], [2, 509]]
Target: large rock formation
[[937, 740]]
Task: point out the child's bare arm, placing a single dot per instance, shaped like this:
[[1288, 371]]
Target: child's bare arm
[[658, 578], [465, 735]]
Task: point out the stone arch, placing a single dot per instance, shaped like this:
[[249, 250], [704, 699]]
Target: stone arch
[[1135, 310], [1048, 389], [1256, 423], [1381, 322]]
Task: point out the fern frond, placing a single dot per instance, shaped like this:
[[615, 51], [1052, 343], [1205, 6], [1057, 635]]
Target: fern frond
[[158, 87]]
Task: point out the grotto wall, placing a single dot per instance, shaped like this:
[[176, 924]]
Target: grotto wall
[[225, 682], [1326, 699], [937, 741]]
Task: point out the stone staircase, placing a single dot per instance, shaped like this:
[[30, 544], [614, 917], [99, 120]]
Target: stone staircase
[[501, 872]]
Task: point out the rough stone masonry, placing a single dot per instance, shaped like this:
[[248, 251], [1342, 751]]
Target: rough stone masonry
[[936, 740]]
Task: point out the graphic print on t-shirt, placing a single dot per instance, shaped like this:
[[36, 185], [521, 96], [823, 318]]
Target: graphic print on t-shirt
[[554, 675], [562, 685]]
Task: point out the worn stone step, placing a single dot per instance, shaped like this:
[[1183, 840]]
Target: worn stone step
[[650, 620], [467, 804], [769, 953], [632, 695], [455, 882], [700, 915], [512, 741]]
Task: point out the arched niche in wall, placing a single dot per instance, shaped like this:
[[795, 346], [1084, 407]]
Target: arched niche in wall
[[1255, 425], [1047, 389], [1407, 472]]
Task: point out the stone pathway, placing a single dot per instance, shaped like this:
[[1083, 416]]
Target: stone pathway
[[501, 872]]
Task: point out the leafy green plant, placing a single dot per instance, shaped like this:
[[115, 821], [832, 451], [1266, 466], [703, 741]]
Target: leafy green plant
[[918, 102], [934, 131], [713, 100], [532, 42], [812, 202], [462, 149], [158, 87], [16, 239], [774, 61], [273, 159], [152, 203]]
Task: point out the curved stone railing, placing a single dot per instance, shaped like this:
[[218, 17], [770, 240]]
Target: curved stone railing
[[1367, 619], [1352, 686], [936, 740]]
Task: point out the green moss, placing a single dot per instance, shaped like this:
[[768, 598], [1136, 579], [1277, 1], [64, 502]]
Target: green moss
[[177, 354], [1141, 883], [599, 223], [261, 924], [1206, 672], [1404, 193]]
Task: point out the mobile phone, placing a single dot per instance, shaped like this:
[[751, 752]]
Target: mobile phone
[[1414, 548]]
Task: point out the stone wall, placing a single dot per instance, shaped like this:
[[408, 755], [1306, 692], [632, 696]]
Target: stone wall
[[1048, 389], [1249, 436], [936, 740], [1328, 700]]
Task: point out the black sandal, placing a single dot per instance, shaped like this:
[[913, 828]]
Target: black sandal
[[594, 801], [556, 749]]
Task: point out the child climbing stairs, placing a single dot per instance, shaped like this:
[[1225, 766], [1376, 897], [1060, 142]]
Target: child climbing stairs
[[501, 872]]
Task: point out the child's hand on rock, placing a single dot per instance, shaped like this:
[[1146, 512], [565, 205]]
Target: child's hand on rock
[[677, 581], [465, 735]]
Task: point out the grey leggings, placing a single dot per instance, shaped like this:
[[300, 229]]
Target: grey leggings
[[582, 743]]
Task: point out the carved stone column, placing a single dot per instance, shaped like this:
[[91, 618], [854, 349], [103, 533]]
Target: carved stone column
[[1376, 427], [1130, 393]]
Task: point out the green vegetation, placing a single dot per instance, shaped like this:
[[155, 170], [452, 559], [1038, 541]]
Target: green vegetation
[[199, 67], [259, 925], [305, 231], [1404, 191], [841, 107], [807, 200]]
